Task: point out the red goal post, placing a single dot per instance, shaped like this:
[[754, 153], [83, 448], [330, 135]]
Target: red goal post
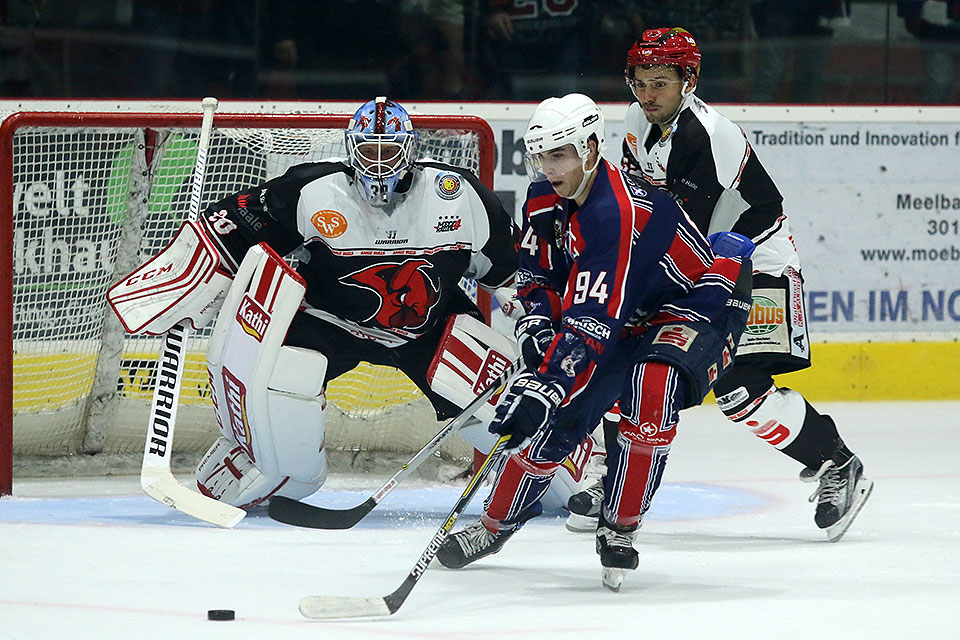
[[123, 149]]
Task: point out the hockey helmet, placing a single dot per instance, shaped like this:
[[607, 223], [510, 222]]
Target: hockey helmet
[[381, 146], [673, 46], [573, 119]]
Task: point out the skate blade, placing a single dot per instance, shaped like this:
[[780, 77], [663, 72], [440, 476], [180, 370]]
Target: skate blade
[[613, 577], [581, 524], [864, 488]]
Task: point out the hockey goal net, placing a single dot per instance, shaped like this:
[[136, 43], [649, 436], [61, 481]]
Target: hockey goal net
[[92, 196]]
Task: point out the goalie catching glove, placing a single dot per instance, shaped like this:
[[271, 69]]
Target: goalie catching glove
[[527, 407]]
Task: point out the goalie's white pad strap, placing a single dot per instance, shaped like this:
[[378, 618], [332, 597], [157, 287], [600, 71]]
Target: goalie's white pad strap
[[469, 357], [227, 474], [268, 398], [181, 282]]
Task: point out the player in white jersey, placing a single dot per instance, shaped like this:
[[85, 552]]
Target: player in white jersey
[[676, 141]]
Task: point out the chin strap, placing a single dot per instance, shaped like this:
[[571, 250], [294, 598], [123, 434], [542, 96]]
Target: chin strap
[[586, 178]]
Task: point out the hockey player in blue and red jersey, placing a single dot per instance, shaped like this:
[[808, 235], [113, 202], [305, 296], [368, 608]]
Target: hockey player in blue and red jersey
[[625, 301]]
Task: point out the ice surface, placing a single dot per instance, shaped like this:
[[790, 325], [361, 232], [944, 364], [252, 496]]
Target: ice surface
[[729, 550]]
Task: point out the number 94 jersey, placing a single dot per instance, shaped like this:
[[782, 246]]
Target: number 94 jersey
[[629, 258]]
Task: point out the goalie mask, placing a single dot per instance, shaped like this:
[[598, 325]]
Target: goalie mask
[[382, 146], [571, 120]]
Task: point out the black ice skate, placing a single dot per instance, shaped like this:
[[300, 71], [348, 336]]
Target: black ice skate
[[617, 555], [842, 492], [470, 544], [585, 508]]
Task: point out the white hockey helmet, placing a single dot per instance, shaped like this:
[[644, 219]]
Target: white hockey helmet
[[571, 119], [556, 122]]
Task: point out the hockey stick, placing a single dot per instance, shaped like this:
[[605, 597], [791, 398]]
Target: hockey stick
[[156, 478], [325, 607], [301, 514]]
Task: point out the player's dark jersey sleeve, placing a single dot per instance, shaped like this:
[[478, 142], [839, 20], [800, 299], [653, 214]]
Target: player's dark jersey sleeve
[[702, 167], [541, 276], [265, 213]]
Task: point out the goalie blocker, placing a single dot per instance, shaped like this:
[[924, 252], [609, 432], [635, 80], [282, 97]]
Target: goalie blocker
[[181, 282]]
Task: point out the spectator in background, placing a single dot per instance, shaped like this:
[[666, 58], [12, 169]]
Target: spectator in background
[[278, 50], [26, 70], [534, 49], [435, 65], [793, 29], [937, 26]]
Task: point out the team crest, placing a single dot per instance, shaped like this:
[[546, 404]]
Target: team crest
[[329, 223], [406, 292], [449, 185]]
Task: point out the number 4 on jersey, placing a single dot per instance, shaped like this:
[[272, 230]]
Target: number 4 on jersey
[[583, 289], [528, 242]]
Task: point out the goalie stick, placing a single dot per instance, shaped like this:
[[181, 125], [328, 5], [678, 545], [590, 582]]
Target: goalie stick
[[326, 607], [298, 513], [156, 478]]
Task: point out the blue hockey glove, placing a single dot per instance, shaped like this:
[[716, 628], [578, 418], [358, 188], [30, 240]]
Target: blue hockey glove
[[731, 245], [527, 407], [534, 335]]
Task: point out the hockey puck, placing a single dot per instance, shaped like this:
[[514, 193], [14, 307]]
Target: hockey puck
[[220, 614]]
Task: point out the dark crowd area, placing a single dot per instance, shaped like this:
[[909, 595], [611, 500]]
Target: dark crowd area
[[754, 51]]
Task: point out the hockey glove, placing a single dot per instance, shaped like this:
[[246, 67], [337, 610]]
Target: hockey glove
[[534, 335], [526, 408]]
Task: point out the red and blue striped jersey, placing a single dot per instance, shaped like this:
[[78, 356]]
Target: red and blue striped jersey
[[629, 258]]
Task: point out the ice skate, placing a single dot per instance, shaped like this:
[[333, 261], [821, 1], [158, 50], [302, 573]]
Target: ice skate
[[842, 493], [617, 555], [470, 544], [585, 508], [585, 505]]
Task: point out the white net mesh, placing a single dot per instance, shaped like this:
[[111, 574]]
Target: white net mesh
[[92, 203]]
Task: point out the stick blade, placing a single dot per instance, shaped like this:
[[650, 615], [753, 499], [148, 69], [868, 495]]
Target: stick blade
[[167, 490], [332, 607], [300, 514]]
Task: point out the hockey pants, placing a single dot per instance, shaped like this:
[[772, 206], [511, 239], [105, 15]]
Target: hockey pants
[[651, 395]]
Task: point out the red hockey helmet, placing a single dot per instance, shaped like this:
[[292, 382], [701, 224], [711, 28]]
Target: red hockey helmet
[[673, 46]]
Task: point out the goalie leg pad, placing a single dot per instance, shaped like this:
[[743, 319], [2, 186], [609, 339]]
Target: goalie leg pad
[[181, 282], [226, 473], [470, 355], [268, 397]]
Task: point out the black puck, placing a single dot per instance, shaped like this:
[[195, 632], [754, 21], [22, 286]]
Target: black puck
[[221, 614]]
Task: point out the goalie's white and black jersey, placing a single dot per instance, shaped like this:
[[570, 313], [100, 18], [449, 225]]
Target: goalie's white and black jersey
[[709, 166], [384, 277]]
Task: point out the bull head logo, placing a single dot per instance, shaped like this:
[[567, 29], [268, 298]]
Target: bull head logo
[[406, 292]]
